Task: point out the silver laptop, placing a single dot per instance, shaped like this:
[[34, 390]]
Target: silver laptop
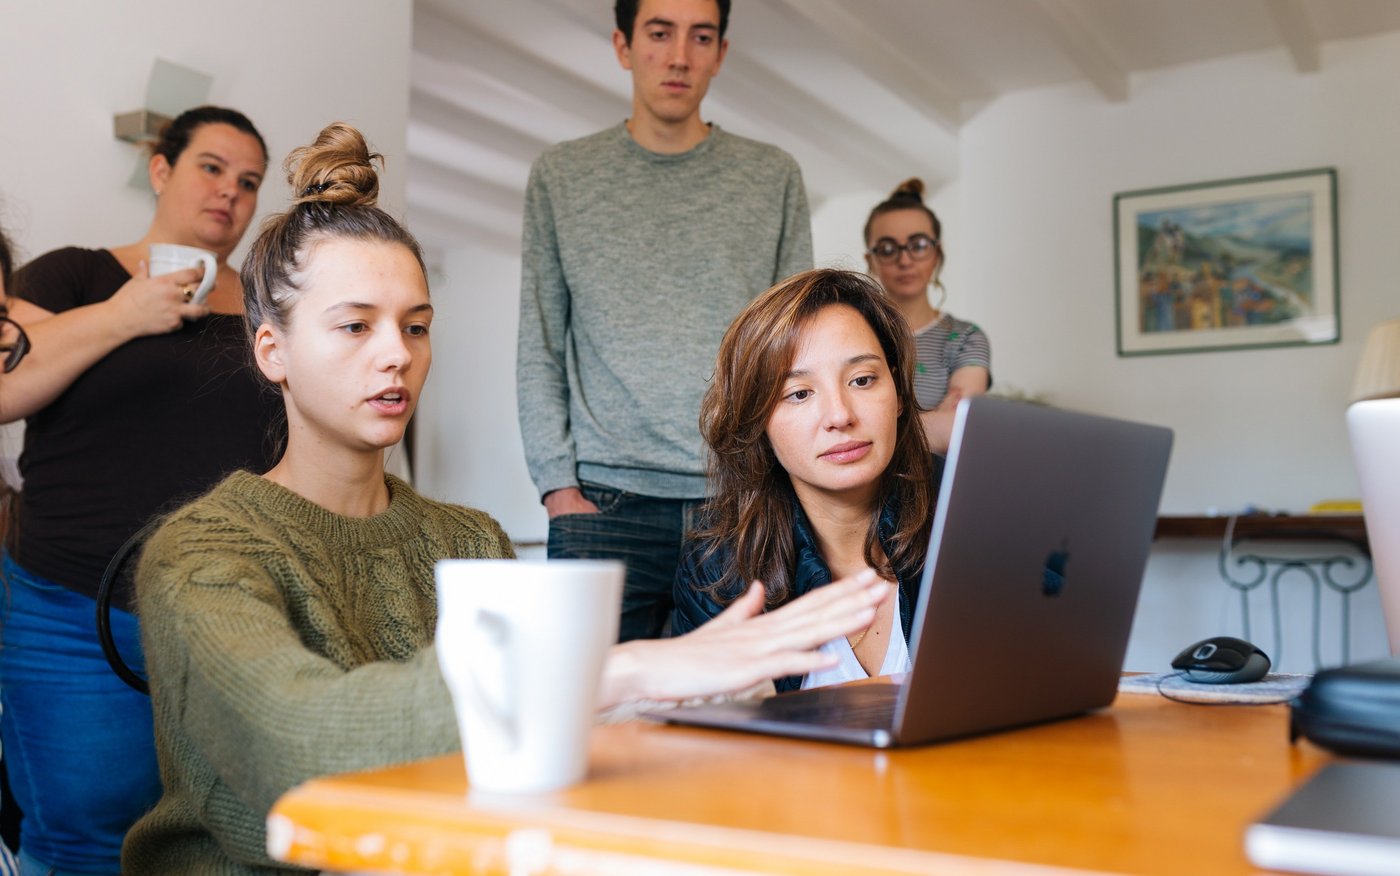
[[1040, 538]]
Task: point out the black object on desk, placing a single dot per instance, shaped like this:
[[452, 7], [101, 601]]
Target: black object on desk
[[1353, 710]]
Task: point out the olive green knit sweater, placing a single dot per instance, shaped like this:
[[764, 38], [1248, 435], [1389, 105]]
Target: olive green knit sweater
[[285, 642]]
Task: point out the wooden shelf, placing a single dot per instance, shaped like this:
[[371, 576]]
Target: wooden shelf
[[1287, 527]]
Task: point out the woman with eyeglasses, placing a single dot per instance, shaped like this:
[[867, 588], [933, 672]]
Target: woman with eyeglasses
[[904, 251], [136, 398]]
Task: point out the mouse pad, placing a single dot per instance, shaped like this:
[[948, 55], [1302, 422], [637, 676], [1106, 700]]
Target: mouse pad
[[1276, 687]]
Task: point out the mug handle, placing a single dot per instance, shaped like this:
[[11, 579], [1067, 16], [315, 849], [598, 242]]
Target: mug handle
[[494, 696], [211, 275]]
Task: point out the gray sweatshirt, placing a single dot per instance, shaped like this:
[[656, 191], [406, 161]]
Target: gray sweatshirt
[[634, 265]]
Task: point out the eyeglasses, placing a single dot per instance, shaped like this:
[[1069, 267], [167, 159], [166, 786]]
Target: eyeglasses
[[919, 247], [14, 343]]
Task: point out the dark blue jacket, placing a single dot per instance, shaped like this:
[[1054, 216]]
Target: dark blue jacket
[[695, 606]]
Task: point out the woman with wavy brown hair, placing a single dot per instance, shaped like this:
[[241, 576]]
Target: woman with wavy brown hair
[[818, 465]]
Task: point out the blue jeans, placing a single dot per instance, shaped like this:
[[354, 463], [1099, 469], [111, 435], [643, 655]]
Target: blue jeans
[[644, 532], [78, 743]]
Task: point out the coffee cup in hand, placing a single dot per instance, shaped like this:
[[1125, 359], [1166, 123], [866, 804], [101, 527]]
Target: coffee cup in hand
[[167, 258], [522, 645]]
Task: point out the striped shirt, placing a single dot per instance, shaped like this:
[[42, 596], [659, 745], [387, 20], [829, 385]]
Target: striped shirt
[[944, 346]]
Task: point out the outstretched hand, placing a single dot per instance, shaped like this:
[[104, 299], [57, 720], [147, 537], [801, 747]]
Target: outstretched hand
[[743, 645]]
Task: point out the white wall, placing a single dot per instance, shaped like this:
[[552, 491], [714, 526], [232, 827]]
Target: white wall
[[1040, 169], [1261, 427], [468, 442], [1028, 231], [67, 66]]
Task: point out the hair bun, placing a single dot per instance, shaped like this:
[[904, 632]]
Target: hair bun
[[911, 188], [336, 168]]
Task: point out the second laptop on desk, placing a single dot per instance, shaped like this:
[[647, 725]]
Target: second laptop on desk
[[1040, 539]]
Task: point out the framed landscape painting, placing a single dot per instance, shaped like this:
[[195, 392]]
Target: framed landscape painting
[[1228, 265]]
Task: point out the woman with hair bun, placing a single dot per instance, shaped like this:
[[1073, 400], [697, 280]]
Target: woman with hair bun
[[904, 251], [288, 616], [136, 398]]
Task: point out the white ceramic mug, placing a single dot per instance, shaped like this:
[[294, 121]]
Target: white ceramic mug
[[166, 258], [521, 644]]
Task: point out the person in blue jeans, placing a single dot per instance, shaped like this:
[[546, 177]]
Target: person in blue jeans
[[14, 345], [136, 397], [641, 242]]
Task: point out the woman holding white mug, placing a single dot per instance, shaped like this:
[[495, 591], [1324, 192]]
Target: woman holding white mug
[[136, 398]]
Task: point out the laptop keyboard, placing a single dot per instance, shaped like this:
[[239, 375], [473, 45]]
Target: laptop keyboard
[[865, 706]]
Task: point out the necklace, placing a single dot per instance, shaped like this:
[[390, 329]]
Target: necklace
[[861, 638]]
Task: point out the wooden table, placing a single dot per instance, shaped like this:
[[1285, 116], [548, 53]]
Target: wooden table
[[1147, 787]]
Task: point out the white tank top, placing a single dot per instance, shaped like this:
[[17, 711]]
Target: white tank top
[[849, 669]]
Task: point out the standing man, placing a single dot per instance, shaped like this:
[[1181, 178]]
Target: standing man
[[641, 243]]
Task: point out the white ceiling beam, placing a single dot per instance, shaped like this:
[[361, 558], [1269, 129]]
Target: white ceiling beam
[[1067, 24], [468, 155], [501, 200], [544, 84], [440, 232], [865, 48], [450, 118], [1291, 19], [865, 155], [480, 93]]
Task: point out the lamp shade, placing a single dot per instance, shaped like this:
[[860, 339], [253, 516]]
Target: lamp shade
[[1373, 420], [1378, 372]]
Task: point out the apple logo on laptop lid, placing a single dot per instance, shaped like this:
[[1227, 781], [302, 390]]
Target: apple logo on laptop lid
[[1052, 579]]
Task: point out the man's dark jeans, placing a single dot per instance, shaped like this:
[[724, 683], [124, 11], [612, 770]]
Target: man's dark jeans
[[644, 532]]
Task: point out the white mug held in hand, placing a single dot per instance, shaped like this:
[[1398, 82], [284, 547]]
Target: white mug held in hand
[[521, 644], [167, 258]]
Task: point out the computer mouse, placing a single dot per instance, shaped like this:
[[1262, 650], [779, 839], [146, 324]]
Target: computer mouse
[[1222, 660]]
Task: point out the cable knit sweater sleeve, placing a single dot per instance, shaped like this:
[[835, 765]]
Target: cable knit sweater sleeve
[[285, 642]]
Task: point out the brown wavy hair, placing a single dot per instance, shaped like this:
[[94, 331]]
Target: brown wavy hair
[[750, 509]]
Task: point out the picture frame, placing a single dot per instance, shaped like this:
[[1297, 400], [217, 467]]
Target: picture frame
[[1227, 265]]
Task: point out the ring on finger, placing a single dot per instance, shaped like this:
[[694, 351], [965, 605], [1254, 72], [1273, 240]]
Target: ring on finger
[[188, 289]]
